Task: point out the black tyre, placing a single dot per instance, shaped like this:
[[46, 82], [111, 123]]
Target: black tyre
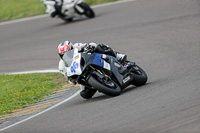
[[88, 93], [139, 76], [88, 12], [107, 87]]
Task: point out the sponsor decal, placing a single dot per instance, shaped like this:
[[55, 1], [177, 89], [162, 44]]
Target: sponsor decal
[[75, 58], [126, 79], [106, 65], [68, 74]]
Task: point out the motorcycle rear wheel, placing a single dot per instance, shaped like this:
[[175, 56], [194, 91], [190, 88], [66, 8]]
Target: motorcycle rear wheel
[[109, 88]]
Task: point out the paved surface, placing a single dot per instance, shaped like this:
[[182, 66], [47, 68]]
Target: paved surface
[[162, 36]]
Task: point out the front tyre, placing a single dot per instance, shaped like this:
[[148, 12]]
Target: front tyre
[[139, 76], [107, 87]]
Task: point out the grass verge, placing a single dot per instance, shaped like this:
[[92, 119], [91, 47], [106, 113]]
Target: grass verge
[[18, 91], [15, 9]]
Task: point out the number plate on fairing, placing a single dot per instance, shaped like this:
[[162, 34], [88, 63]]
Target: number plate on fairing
[[126, 79]]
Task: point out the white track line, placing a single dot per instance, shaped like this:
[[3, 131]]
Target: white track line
[[35, 71], [46, 15]]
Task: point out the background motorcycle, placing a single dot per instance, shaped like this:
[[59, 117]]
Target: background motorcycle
[[102, 72], [68, 9]]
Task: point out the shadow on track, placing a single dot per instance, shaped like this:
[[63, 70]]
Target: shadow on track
[[132, 88], [100, 96], [60, 22]]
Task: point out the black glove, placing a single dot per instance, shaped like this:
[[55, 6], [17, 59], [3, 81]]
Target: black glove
[[72, 81]]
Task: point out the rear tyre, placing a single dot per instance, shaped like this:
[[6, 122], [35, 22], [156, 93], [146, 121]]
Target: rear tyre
[[107, 87], [139, 76]]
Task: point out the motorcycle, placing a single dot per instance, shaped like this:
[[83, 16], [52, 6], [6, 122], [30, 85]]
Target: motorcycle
[[102, 72], [67, 10]]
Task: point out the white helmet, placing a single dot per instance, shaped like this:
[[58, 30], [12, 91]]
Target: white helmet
[[64, 47]]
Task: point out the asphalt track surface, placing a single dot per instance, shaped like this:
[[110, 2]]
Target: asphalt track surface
[[162, 36]]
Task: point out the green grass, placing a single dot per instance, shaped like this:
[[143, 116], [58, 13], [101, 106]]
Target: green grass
[[15, 9], [17, 91]]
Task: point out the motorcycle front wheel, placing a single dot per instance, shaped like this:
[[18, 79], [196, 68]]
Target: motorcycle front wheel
[[107, 87], [88, 12], [139, 76]]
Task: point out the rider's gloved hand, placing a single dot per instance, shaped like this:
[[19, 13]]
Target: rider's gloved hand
[[72, 81]]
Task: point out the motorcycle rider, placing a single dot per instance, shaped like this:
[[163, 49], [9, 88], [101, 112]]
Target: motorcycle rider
[[57, 8], [87, 48]]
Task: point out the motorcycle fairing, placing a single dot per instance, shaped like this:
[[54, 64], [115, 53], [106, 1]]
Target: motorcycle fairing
[[75, 67], [98, 60], [123, 79]]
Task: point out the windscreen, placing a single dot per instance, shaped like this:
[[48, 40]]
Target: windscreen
[[68, 57]]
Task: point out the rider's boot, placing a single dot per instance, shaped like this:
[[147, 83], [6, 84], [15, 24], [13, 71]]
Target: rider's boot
[[53, 14], [87, 92]]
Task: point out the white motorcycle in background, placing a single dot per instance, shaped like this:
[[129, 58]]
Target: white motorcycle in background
[[68, 9]]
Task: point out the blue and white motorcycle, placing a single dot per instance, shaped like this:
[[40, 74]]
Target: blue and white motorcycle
[[102, 72]]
